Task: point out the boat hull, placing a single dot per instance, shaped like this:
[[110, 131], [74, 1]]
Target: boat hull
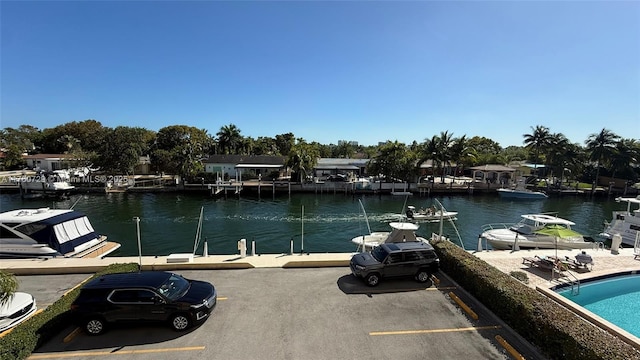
[[521, 194]]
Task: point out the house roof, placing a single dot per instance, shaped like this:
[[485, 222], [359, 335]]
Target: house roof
[[257, 160], [47, 156], [493, 167]]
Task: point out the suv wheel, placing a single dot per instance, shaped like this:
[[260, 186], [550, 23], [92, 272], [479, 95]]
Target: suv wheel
[[372, 279], [94, 326], [423, 276], [180, 322]]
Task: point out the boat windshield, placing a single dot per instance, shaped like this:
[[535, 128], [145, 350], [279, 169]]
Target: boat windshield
[[379, 253], [175, 287]]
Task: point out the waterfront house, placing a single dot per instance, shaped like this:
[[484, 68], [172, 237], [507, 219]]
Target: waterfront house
[[48, 162], [240, 167], [352, 168]]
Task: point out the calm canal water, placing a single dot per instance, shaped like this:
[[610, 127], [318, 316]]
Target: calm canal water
[[168, 221]]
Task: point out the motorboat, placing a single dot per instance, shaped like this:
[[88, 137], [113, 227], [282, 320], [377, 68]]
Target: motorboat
[[520, 191], [55, 183], [400, 232], [431, 214], [521, 194], [45, 232], [624, 222], [536, 231]]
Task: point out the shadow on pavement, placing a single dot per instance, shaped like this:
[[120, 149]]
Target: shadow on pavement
[[351, 285], [115, 338]]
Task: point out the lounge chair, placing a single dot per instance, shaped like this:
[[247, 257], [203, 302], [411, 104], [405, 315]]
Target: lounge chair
[[529, 261], [544, 263]]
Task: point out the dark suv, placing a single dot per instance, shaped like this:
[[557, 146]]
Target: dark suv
[[141, 297], [414, 258]]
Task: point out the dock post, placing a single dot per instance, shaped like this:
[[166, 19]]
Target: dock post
[[253, 248], [479, 248]]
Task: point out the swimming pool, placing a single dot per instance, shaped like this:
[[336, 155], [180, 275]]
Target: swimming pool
[[615, 299]]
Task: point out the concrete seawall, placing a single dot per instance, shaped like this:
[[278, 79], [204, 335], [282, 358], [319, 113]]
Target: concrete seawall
[[213, 262]]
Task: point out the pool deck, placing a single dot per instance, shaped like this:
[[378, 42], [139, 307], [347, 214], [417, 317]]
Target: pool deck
[[604, 262]]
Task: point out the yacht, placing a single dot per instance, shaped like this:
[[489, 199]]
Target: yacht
[[624, 222], [536, 231], [45, 232], [55, 183]]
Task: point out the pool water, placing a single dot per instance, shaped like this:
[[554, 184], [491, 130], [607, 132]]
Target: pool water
[[615, 299]]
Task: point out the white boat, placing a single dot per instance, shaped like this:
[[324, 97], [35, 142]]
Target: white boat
[[625, 222], [431, 214], [536, 231], [44, 232], [520, 191], [54, 183], [400, 232]]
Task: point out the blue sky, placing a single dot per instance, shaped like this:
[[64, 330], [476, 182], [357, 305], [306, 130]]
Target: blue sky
[[326, 71]]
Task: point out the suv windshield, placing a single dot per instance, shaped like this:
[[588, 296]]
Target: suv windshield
[[174, 287], [379, 253]]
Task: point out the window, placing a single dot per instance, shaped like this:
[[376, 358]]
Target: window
[[411, 256], [132, 296], [124, 296], [395, 258]]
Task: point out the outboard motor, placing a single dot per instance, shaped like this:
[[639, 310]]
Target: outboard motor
[[409, 214]]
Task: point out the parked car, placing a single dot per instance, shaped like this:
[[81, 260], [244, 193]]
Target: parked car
[[338, 178], [147, 296], [17, 309], [403, 259]]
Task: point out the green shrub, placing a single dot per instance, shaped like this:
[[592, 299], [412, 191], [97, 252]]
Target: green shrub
[[37, 330], [520, 275], [555, 330]]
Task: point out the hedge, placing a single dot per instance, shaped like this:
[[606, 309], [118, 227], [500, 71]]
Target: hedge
[[40, 328], [555, 330]]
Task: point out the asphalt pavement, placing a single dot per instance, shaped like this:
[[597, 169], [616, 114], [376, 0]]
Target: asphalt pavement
[[308, 313]]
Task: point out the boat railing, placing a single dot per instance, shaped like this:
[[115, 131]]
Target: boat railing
[[487, 227]]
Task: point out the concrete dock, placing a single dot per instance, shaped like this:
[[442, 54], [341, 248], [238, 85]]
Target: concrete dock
[[604, 262]]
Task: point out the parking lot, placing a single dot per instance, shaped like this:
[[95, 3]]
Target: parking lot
[[313, 313]]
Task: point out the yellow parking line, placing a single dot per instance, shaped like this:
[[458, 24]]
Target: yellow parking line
[[80, 284], [464, 306], [222, 298], [2, 334], [433, 331], [106, 353], [510, 349], [71, 335]]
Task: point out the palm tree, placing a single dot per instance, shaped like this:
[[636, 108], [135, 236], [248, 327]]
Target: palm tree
[[538, 140], [303, 157], [627, 152], [229, 139], [8, 286], [445, 141], [429, 151], [555, 158], [459, 152], [600, 146]]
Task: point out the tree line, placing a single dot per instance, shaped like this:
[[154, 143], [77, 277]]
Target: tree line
[[180, 149]]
